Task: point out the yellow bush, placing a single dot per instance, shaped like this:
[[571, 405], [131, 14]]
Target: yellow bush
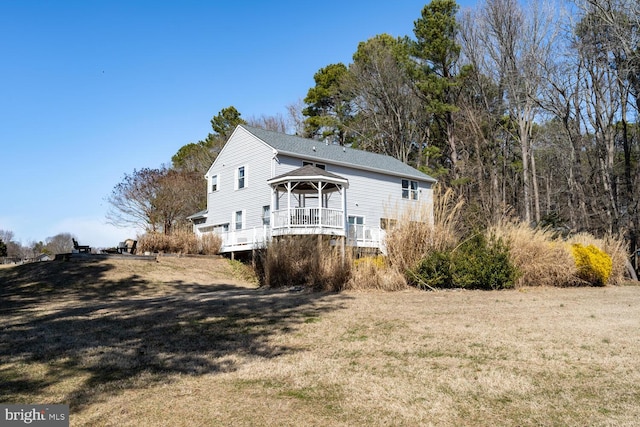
[[594, 265], [376, 262]]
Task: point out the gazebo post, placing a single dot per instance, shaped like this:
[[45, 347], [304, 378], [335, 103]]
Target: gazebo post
[[320, 222], [343, 243], [289, 204]]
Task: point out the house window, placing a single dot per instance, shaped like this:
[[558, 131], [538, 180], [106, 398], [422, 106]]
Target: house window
[[318, 165], [218, 228], [266, 215], [409, 189], [388, 224], [214, 183], [238, 220], [241, 177], [356, 227]]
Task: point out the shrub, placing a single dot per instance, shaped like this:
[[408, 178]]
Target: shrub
[[482, 263], [433, 271], [478, 263], [612, 246], [594, 265], [370, 261]]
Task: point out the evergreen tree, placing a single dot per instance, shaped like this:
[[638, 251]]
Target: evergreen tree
[[328, 111], [3, 248]]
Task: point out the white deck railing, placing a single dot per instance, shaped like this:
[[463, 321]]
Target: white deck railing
[[366, 237], [308, 218], [254, 238]]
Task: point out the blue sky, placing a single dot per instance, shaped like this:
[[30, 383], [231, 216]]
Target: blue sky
[[91, 90]]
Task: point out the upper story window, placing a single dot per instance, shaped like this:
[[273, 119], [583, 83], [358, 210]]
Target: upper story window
[[409, 189], [241, 176], [318, 165], [214, 183]]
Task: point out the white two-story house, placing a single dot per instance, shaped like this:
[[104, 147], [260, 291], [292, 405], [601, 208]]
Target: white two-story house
[[265, 184]]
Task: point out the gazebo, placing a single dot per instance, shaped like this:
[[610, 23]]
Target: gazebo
[[300, 202]]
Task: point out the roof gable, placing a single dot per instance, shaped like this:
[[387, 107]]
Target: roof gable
[[316, 150]]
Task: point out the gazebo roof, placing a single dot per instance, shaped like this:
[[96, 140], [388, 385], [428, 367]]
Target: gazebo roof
[[311, 174]]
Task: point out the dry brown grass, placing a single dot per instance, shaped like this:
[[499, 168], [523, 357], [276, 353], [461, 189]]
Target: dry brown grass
[[424, 229], [132, 343], [539, 257], [371, 275], [308, 261], [180, 242]]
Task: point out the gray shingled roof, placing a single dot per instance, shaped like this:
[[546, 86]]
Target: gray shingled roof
[[308, 170], [336, 154], [200, 214]]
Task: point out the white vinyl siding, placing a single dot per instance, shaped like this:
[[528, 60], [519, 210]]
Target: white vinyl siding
[[255, 156]]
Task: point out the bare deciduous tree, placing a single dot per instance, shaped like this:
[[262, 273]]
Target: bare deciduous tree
[[275, 123], [389, 116], [515, 44], [156, 199]]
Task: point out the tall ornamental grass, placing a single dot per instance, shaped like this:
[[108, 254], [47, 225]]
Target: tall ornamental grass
[[180, 242], [424, 229], [307, 261], [540, 259]]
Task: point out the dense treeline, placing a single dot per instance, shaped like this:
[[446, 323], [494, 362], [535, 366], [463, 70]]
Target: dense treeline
[[526, 109]]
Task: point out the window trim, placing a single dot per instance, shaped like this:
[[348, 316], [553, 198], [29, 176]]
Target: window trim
[[235, 220], [388, 223], [356, 230], [245, 178], [408, 191], [318, 165], [217, 183]]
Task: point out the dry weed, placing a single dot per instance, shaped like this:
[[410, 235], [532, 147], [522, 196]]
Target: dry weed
[[370, 274], [308, 261], [180, 241], [424, 229], [540, 259]]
